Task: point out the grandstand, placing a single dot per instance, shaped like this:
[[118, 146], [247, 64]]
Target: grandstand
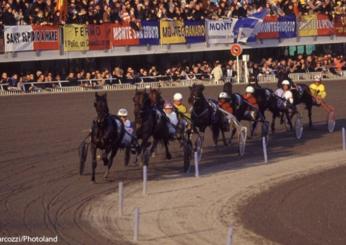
[[92, 44]]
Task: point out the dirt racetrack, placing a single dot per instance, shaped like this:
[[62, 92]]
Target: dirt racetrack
[[41, 192]]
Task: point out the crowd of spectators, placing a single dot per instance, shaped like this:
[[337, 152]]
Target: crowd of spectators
[[204, 70], [17, 12]]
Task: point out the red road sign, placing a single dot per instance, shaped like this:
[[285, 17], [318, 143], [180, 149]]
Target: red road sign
[[236, 50]]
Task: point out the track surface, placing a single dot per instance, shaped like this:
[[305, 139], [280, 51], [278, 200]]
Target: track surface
[[307, 211], [41, 192]]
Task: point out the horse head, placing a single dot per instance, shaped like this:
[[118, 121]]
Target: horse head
[[155, 97], [141, 104], [196, 94], [227, 87], [101, 106]]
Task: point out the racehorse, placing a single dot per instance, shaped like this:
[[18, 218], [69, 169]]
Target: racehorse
[[302, 95], [107, 132], [204, 115], [149, 123], [242, 109]]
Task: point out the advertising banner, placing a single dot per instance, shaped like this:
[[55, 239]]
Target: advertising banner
[[269, 28], [27, 37], [149, 33], [99, 37], [278, 27], [76, 38], [287, 26], [194, 31], [124, 35], [315, 25], [307, 26], [325, 27], [172, 32], [340, 25], [18, 38], [46, 37], [219, 31]]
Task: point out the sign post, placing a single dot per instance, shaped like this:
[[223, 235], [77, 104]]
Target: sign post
[[236, 51], [246, 59]]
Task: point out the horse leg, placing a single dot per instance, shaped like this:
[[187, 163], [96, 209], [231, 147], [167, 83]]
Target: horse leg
[[232, 135], [105, 157], [224, 137], [110, 162], [202, 138], [254, 125], [168, 154], [153, 148], [216, 132], [93, 160], [289, 119], [127, 156], [273, 122]]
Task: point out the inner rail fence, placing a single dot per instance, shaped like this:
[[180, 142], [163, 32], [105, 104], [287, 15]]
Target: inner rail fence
[[114, 84]]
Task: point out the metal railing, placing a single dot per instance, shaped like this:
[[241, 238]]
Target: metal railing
[[85, 85]]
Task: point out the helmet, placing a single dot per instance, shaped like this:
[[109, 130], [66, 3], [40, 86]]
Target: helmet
[[249, 89], [177, 96], [168, 105], [285, 82], [317, 78], [122, 112], [223, 95]]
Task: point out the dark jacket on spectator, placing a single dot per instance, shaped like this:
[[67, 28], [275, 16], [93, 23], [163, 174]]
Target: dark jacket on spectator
[[8, 19]]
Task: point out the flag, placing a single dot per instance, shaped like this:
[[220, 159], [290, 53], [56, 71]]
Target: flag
[[61, 6], [246, 28]]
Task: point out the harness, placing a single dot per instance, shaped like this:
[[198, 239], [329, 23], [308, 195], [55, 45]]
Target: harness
[[205, 111]]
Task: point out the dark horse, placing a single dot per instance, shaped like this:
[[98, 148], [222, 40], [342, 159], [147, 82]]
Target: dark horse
[[301, 95], [204, 115], [107, 132], [242, 109], [149, 123], [267, 100]]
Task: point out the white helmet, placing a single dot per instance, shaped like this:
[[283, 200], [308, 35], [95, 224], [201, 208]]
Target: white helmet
[[223, 95], [285, 82], [318, 78], [177, 96], [122, 112], [168, 105], [249, 89]]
